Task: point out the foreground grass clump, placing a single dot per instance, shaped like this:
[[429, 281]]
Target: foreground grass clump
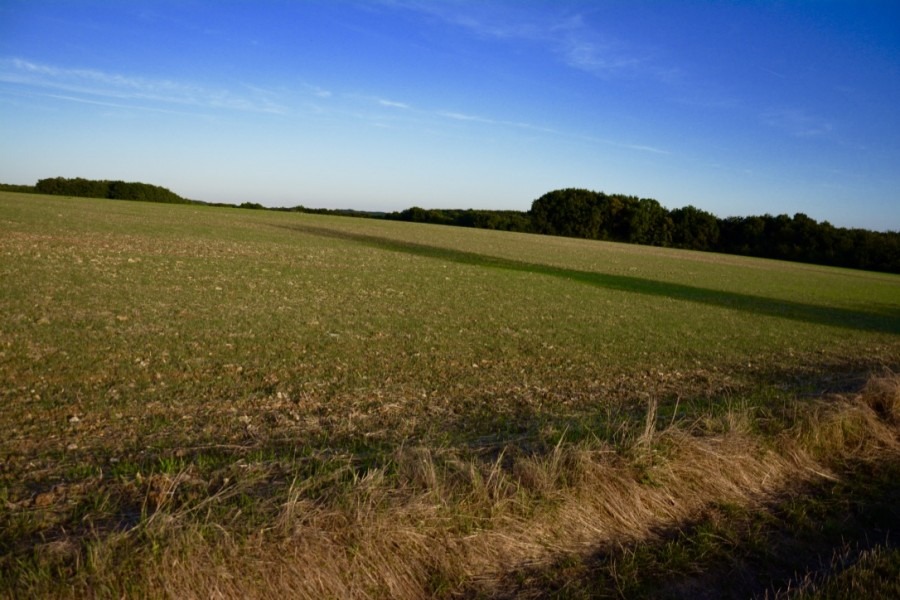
[[211, 401], [697, 506]]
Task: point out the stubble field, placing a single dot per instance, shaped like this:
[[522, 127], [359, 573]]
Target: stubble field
[[201, 401]]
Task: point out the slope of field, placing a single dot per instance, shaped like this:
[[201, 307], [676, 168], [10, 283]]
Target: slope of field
[[282, 400]]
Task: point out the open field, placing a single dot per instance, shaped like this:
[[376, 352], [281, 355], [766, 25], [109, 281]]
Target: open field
[[202, 401]]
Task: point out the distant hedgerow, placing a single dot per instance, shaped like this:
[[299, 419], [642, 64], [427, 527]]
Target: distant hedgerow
[[114, 190]]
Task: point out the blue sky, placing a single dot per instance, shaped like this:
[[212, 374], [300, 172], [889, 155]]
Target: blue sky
[[738, 108]]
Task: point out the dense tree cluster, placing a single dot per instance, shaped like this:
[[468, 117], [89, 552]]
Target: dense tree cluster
[[595, 215], [598, 216], [615, 217], [802, 239], [115, 190]]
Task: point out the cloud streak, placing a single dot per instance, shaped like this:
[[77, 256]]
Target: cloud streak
[[114, 86], [458, 116], [108, 104], [797, 122], [569, 37], [393, 104], [95, 87], [581, 47]]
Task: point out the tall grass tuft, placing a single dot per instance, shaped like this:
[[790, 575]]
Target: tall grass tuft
[[435, 523]]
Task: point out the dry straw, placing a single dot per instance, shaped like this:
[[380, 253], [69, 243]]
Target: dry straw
[[458, 524]]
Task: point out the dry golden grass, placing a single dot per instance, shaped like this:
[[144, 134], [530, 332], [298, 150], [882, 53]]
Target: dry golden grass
[[443, 524]]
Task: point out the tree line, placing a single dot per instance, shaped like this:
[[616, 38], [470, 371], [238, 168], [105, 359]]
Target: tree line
[[100, 188], [503, 220], [593, 215], [620, 218]]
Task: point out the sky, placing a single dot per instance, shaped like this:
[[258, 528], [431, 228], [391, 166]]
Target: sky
[[737, 108]]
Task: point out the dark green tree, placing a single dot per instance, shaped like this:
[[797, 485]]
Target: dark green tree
[[694, 229]]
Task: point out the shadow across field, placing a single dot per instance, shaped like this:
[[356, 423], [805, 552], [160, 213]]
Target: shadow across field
[[885, 320]]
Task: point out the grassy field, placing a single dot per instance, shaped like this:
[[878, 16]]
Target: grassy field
[[202, 401]]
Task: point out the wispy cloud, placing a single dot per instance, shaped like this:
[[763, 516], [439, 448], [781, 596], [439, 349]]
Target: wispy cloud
[[393, 104], [100, 84], [458, 116], [774, 73], [797, 122], [582, 47], [118, 105], [318, 92], [570, 37], [380, 111], [643, 148], [478, 18]]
